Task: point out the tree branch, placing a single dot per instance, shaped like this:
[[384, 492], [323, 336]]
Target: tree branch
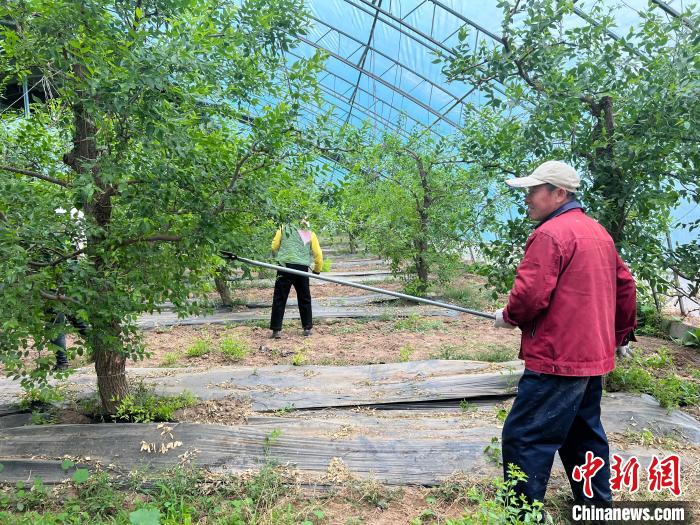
[[55, 262], [34, 174], [58, 297], [154, 238]]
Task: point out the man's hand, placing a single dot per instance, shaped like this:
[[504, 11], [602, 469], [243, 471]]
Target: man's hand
[[623, 352], [500, 322]]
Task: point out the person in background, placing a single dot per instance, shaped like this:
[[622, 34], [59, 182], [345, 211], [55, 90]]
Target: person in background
[[60, 318], [296, 248], [575, 302]]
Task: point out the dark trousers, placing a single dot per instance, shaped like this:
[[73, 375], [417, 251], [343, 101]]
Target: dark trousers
[[283, 284], [556, 413], [60, 340]]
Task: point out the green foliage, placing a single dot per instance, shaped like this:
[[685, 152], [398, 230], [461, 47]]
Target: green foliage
[[170, 359], [650, 321], [272, 438], [656, 376], [145, 516], [150, 135], [415, 323], [491, 352], [199, 348], [493, 451], [326, 264], [501, 415], [452, 352], [233, 348], [405, 353], [495, 353], [467, 406], [24, 497], [299, 357], [41, 395], [373, 493], [179, 496], [450, 490], [691, 338], [411, 200], [81, 475], [142, 405], [506, 506], [623, 111], [468, 295], [266, 487]]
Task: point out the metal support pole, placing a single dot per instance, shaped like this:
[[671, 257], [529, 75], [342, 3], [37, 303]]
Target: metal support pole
[[284, 269], [25, 96]]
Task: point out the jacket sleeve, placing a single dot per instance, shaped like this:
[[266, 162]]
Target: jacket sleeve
[[277, 241], [625, 305], [535, 280], [317, 253]]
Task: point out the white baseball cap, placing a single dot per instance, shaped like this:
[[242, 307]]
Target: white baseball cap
[[553, 172]]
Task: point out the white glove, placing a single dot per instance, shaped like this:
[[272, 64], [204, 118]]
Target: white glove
[[500, 322], [623, 352]]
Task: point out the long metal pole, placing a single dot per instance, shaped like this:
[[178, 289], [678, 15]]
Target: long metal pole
[[284, 269]]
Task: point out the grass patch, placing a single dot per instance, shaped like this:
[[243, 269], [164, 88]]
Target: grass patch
[[327, 263], [468, 295], [651, 322], [655, 375], [491, 353], [186, 495], [169, 359], [495, 353], [233, 348], [199, 348], [372, 492], [182, 495], [415, 323], [142, 405], [405, 353]]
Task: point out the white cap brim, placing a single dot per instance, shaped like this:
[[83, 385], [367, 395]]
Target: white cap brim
[[524, 182]]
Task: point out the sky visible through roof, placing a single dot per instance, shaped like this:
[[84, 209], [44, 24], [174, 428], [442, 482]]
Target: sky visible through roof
[[380, 60]]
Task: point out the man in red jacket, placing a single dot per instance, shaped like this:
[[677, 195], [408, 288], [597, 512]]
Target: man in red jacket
[[575, 302]]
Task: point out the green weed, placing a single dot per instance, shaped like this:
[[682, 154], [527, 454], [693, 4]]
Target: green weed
[[405, 353], [414, 323], [169, 359], [142, 405], [233, 348], [199, 348]]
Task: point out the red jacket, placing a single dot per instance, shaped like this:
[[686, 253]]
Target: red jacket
[[573, 298]]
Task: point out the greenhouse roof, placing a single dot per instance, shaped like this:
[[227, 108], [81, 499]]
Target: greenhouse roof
[[381, 53]]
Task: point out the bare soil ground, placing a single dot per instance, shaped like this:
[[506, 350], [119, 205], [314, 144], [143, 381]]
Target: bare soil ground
[[318, 292], [339, 342]]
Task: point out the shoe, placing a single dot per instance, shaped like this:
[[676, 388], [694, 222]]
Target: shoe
[[61, 366], [307, 332], [276, 334]]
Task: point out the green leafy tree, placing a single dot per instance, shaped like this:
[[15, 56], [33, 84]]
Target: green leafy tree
[[155, 130], [622, 109], [418, 201]]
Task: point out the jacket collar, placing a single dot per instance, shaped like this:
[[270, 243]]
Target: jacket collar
[[568, 206]]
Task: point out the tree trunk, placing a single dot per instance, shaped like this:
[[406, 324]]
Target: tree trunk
[[422, 266], [608, 179], [223, 289], [422, 207], [110, 366], [106, 339], [351, 242]]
